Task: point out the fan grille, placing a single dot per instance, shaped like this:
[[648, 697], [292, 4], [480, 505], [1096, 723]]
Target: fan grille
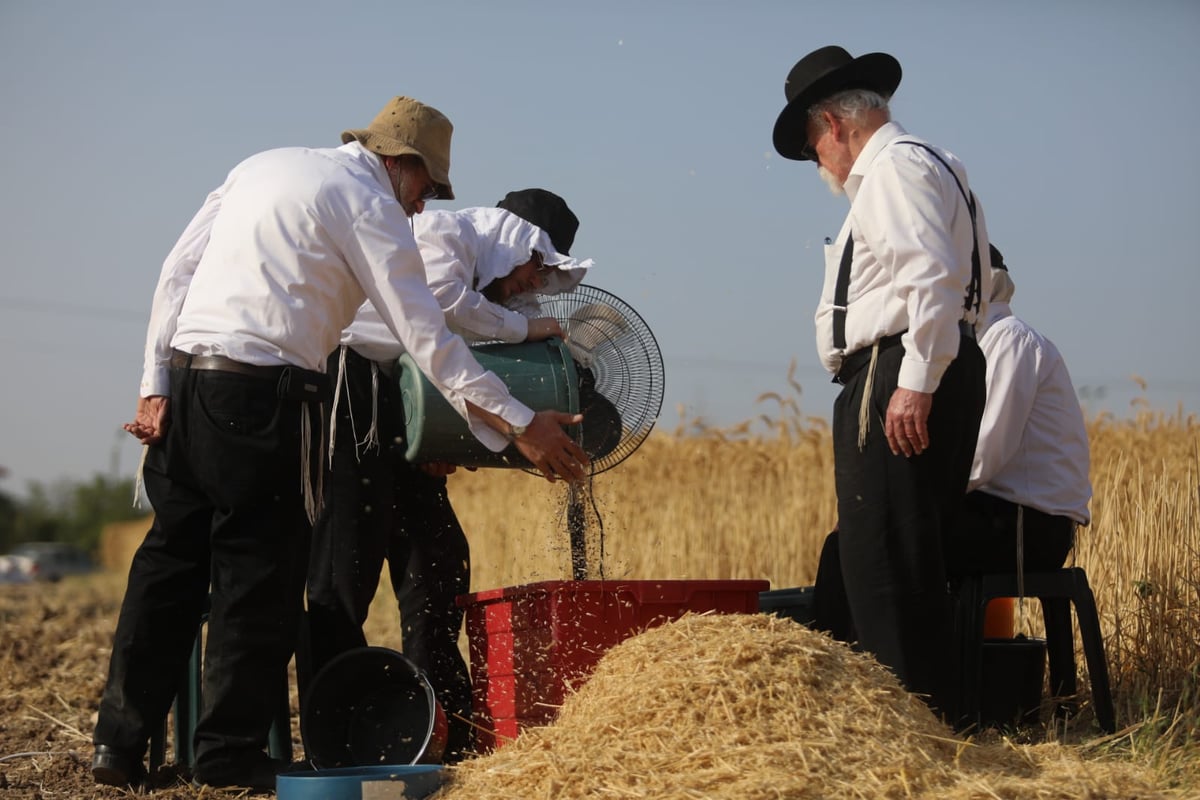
[[605, 335]]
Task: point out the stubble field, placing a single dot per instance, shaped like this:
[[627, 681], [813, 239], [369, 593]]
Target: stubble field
[[717, 504]]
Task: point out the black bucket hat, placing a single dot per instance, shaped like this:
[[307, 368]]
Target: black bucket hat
[[546, 210], [820, 74]]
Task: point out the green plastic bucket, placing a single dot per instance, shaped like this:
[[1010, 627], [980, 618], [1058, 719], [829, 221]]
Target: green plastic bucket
[[540, 374]]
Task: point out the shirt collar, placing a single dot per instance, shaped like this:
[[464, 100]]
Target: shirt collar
[[371, 161], [874, 146], [998, 311]]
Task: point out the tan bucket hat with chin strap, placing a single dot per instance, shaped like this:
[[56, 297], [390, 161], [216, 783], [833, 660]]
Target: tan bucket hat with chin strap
[[409, 127]]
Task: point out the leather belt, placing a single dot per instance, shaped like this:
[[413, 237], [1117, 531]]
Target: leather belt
[[853, 363], [184, 360], [388, 368], [291, 382]]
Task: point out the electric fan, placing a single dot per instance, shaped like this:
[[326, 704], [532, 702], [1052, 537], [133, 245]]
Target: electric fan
[[621, 377]]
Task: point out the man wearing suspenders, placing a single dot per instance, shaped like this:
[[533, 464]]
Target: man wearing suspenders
[[896, 326]]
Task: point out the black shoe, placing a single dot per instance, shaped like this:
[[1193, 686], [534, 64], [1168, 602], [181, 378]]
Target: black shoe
[[112, 766], [258, 775]]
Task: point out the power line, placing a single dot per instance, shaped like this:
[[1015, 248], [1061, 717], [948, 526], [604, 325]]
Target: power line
[[57, 307]]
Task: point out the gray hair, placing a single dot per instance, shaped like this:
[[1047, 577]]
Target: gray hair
[[851, 104]]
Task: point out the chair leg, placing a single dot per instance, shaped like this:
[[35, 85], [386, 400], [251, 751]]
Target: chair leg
[[969, 634], [1060, 650], [279, 740], [187, 706], [1093, 651]]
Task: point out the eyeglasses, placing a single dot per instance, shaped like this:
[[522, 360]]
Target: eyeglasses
[[432, 192], [543, 270], [809, 150]]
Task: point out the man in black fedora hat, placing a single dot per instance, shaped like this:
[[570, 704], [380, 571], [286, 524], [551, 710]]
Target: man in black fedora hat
[[482, 265], [895, 325]]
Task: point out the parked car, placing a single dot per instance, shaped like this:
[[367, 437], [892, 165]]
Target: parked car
[[51, 561], [15, 569]]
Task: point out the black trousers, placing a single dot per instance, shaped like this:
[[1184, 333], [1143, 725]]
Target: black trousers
[[377, 506], [987, 539], [230, 521], [894, 513]]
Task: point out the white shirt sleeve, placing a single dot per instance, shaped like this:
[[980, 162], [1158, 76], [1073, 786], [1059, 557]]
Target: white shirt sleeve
[[173, 282], [1012, 385], [450, 270], [913, 241]]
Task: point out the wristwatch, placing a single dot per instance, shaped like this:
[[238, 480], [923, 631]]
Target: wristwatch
[[515, 431]]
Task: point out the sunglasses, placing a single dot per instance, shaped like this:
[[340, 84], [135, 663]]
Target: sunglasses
[[432, 192]]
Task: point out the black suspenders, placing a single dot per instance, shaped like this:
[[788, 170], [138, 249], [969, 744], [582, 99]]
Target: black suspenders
[[841, 288]]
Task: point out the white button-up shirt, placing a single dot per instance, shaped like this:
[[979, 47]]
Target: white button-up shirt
[[1033, 445], [912, 258], [276, 262]]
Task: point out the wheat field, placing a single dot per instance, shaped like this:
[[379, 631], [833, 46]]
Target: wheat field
[[702, 503]]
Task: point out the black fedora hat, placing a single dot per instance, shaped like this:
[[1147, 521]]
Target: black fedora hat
[[546, 210], [820, 74]]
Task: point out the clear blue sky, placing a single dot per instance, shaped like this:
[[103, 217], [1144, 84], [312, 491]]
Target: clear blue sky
[[1077, 120]]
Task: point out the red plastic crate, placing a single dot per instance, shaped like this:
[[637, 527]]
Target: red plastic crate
[[529, 645]]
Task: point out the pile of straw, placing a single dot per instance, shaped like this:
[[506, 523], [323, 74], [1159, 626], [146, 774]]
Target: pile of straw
[[752, 706]]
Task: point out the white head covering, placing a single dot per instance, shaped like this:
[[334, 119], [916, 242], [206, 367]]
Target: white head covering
[[506, 241], [1002, 286]]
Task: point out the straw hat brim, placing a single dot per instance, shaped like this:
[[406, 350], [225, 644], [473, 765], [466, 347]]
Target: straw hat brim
[[387, 146]]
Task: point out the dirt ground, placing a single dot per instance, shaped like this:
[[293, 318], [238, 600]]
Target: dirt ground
[[54, 647]]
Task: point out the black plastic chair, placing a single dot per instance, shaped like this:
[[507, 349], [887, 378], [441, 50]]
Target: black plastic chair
[[186, 711], [1057, 591]]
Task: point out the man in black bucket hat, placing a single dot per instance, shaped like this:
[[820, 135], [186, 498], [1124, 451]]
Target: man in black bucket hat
[[896, 326], [484, 266]]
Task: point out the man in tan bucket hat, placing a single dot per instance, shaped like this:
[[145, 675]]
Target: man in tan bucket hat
[[249, 304], [407, 127]]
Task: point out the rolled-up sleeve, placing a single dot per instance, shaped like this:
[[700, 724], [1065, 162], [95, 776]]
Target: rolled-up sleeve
[[450, 271]]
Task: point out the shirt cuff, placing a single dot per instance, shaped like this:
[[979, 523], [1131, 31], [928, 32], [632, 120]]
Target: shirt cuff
[[517, 413], [919, 376], [156, 383], [514, 328]]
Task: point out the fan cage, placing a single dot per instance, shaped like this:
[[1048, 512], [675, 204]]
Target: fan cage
[[611, 339]]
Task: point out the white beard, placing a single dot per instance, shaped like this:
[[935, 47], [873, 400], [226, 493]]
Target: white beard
[[835, 186]]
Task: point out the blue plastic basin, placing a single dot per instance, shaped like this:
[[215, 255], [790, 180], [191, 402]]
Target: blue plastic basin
[[346, 783]]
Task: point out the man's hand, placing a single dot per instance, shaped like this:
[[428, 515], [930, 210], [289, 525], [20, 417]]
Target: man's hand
[[541, 328], [549, 448], [906, 425], [150, 420]]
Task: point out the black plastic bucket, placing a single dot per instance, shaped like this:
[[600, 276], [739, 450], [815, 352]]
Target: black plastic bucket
[[794, 604], [1013, 673], [372, 706]]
